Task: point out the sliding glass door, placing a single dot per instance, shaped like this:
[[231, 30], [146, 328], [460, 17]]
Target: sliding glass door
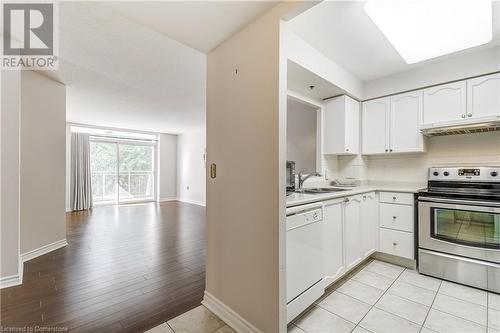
[[104, 171], [122, 171], [136, 172]]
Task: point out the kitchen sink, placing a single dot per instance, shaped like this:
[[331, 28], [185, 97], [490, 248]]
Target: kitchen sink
[[319, 190]]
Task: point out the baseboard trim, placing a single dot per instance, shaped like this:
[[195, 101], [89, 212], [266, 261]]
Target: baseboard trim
[[10, 281], [168, 199], [43, 250], [192, 202], [221, 310]]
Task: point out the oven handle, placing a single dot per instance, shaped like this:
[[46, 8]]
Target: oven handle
[[460, 202]]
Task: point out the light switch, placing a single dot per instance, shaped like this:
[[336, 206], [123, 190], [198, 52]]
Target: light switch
[[213, 170]]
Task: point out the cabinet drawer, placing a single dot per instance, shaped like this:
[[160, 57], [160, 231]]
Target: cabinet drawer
[[397, 198], [398, 243], [399, 217]]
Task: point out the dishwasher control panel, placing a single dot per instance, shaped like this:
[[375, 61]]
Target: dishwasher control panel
[[303, 218], [313, 216]]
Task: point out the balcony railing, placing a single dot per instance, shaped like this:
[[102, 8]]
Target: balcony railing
[[131, 185]]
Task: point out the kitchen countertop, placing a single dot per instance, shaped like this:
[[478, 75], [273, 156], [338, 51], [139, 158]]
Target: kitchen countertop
[[297, 199]]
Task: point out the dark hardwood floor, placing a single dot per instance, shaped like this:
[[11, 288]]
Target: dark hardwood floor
[[126, 269]]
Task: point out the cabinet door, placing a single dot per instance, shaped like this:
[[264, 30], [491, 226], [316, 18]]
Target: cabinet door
[[369, 224], [332, 239], [334, 126], [351, 126], [445, 103], [483, 96], [352, 232], [341, 126], [406, 116], [375, 126]]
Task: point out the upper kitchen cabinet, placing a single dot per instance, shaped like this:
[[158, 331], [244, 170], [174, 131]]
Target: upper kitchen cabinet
[[445, 103], [483, 96], [375, 126], [392, 124], [341, 126], [406, 117]]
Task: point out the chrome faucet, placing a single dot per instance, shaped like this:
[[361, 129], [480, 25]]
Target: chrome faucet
[[303, 178]]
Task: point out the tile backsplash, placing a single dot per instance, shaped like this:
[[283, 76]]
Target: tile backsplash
[[469, 149]]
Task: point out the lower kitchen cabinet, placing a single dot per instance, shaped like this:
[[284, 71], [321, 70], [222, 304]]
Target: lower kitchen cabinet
[[333, 244], [398, 243], [354, 227], [397, 224], [369, 224], [352, 231]]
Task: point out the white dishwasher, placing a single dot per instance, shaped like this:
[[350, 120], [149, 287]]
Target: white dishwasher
[[304, 257]]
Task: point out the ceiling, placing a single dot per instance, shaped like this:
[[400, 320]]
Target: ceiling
[[142, 65], [201, 25], [300, 80], [342, 31]]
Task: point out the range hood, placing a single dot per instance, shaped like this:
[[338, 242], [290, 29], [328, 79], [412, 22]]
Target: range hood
[[462, 129]]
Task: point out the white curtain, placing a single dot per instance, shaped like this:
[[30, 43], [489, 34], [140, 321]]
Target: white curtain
[[81, 179]]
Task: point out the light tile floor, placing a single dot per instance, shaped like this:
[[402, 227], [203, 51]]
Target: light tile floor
[[197, 320], [378, 298], [385, 298]]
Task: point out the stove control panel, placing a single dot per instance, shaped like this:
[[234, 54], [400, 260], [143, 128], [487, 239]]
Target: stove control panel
[[469, 172], [465, 174]]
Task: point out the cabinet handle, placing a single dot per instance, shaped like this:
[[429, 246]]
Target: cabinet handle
[[469, 115], [364, 196], [390, 150], [394, 217], [394, 198], [394, 244], [347, 149], [346, 200], [386, 150], [463, 116]]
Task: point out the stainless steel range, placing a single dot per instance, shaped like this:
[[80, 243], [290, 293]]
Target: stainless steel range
[[459, 226]]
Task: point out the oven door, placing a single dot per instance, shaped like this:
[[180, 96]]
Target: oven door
[[465, 228]]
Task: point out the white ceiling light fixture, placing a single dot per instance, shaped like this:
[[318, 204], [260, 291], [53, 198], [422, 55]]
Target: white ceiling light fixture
[[426, 29]]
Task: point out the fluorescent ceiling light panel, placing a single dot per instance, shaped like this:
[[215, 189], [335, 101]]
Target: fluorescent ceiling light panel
[[425, 29]]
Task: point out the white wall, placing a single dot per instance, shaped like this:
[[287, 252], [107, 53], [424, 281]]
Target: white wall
[[167, 167], [43, 160], [191, 184], [246, 139], [301, 135], [9, 176], [460, 67]]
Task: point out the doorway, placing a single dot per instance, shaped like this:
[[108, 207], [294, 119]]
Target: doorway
[[123, 171]]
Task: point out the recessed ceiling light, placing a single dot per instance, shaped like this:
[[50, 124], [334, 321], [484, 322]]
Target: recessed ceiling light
[[425, 29]]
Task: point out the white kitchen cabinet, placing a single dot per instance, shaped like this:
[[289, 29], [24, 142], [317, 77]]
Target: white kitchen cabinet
[[483, 97], [375, 126], [333, 243], [397, 224], [341, 126], [397, 217], [445, 103], [369, 224], [352, 231], [398, 243], [405, 119], [392, 124]]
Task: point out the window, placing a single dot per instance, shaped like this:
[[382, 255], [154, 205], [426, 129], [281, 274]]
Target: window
[[122, 172]]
